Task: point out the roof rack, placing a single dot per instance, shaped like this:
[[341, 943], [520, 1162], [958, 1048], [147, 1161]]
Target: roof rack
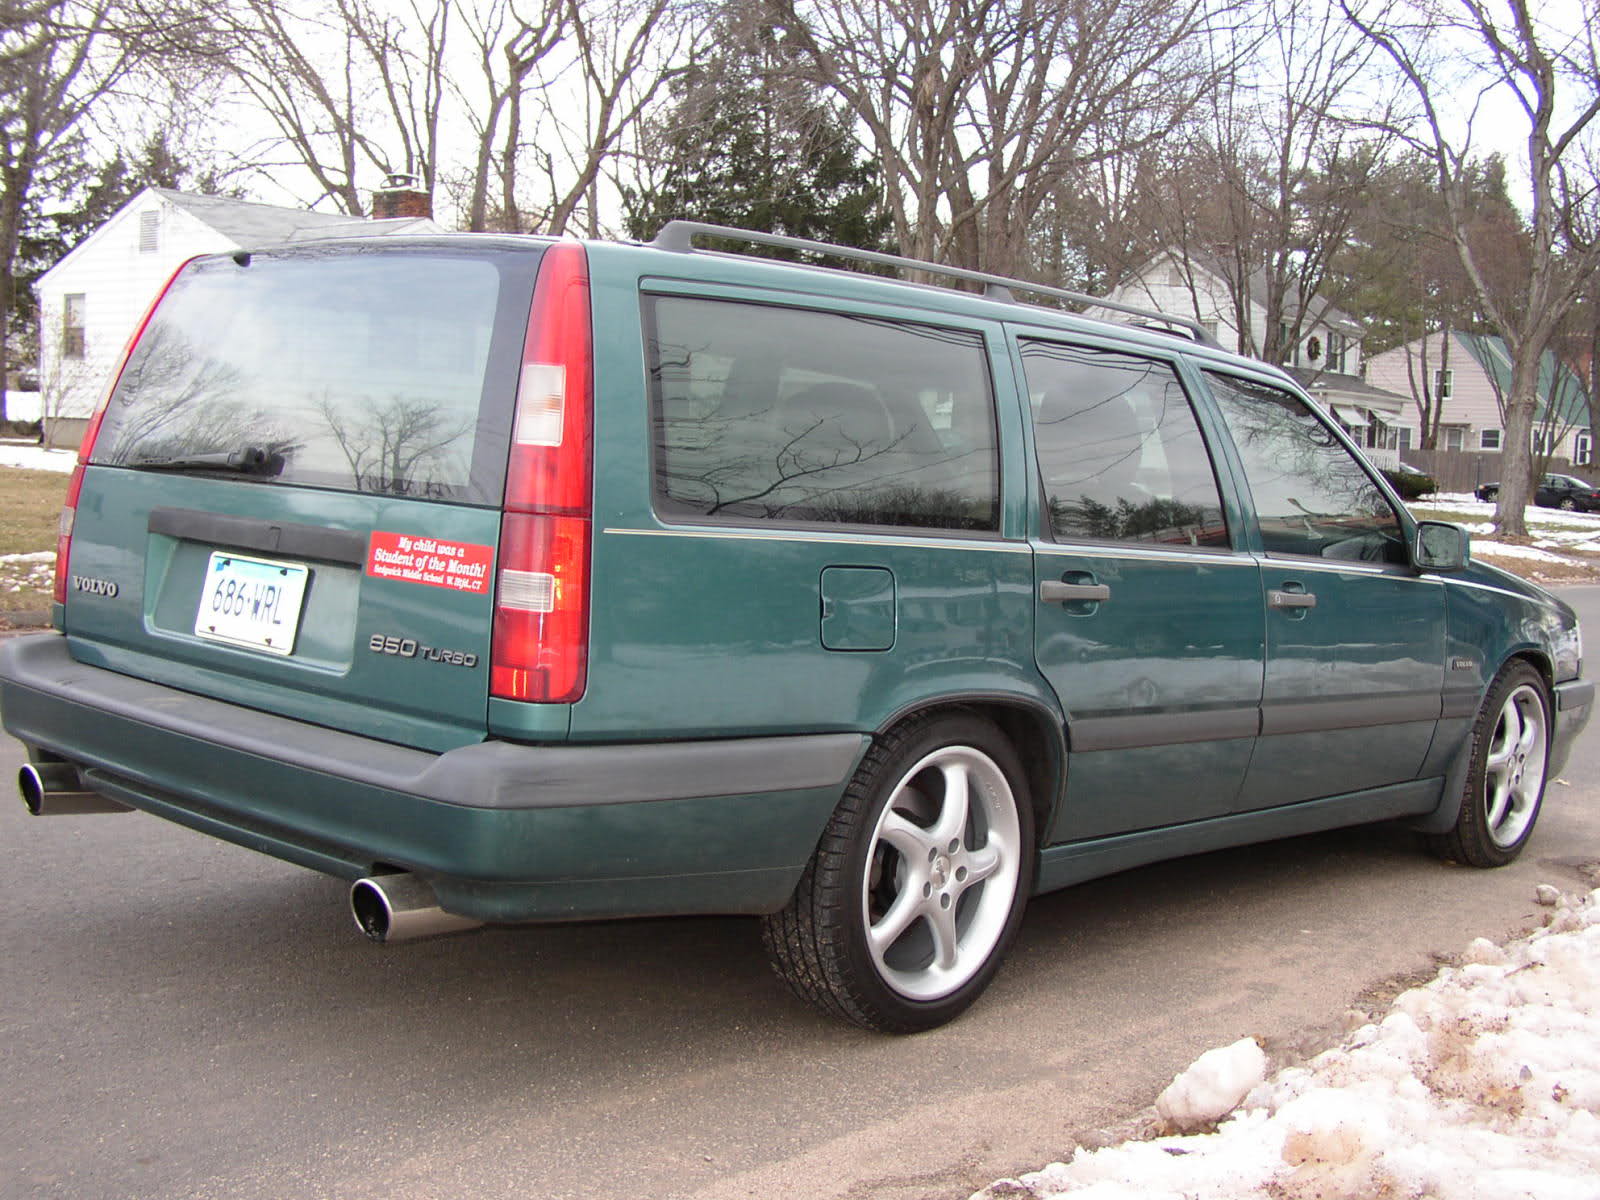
[[679, 236]]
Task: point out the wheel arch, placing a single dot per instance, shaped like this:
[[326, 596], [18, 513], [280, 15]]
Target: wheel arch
[[1036, 732], [1455, 779]]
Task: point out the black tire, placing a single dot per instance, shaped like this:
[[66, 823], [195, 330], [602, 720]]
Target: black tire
[[1506, 776], [884, 867]]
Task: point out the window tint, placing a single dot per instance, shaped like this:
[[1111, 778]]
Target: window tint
[[787, 415], [364, 370], [1120, 454], [1311, 495]]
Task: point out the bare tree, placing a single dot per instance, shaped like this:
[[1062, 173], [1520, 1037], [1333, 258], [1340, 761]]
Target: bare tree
[[349, 85], [58, 58], [508, 45], [625, 54], [1548, 64], [978, 109]]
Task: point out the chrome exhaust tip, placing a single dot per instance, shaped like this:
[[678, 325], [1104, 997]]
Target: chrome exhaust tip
[[55, 789], [401, 908]]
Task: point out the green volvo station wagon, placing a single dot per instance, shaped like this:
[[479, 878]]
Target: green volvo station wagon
[[516, 580]]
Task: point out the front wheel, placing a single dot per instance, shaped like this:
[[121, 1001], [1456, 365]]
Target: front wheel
[[1506, 776], [918, 884]]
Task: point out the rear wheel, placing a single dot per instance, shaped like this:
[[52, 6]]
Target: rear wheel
[[1568, 503], [918, 884], [1505, 781]]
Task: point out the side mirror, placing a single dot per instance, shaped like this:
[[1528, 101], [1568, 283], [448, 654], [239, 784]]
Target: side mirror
[[1441, 546]]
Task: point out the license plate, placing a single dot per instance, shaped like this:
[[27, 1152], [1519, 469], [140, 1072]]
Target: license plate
[[251, 602]]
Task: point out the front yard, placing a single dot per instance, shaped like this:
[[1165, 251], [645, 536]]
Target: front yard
[[31, 502], [1562, 547]]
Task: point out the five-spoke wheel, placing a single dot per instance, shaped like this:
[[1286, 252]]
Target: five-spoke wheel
[[918, 883], [1510, 750]]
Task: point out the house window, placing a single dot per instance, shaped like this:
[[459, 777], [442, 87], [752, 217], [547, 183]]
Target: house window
[[148, 231], [1441, 383], [1541, 441], [72, 338], [1582, 450], [1336, 352], [1405, 438], [1488, 439], [1174, 276], [1454, 439], [1210, 326]]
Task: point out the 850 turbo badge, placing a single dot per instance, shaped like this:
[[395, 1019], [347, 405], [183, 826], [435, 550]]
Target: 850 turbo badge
[[399, 647]]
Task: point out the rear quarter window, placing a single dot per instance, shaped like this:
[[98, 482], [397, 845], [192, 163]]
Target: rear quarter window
[[387, 369], [785, 415]]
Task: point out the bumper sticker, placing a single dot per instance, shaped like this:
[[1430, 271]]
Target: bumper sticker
[[460, 566]]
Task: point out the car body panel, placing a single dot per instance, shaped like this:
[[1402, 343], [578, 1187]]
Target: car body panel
[[768, 655]]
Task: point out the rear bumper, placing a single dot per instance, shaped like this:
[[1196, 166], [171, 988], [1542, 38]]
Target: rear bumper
[[504, 832]]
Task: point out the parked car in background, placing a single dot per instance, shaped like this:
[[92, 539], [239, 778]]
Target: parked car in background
[[1554, 491], [515, 579]]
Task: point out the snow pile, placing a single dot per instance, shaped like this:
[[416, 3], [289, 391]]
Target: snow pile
[[1213, 1087], [1482, 1085], [36, 458]]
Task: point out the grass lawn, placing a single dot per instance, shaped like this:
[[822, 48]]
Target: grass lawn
[[31, 504]]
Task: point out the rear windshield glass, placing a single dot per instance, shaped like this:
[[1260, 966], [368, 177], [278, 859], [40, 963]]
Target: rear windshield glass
[[384, 369]]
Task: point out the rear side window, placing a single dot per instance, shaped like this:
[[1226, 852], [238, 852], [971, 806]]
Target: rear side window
[[779, 414], [1121, 456], [1311, 495], [387, 369]]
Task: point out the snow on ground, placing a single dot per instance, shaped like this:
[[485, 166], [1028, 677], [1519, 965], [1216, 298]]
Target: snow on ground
[[1481, 1085], [23, 406], [1509, 550], [36, 458], [25, 572]]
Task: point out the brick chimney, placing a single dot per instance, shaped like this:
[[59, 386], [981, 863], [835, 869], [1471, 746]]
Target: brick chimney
[[401, 196]]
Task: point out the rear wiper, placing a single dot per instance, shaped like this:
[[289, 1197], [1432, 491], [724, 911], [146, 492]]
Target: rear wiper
[[248, 460]]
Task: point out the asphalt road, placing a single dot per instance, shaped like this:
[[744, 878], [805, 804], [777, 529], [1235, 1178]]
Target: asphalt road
[[182, 1018]]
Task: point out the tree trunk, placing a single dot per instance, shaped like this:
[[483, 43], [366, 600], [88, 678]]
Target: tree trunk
[[1516, 463]]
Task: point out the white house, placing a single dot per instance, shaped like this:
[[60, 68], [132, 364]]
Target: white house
[[1470, 375], [1326, 360], [91, 301]]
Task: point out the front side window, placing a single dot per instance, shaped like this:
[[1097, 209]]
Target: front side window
[[1121, 457], [778, 414], [1312, 497]]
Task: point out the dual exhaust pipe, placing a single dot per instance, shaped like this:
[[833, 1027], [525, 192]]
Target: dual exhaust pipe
[[395, 907]]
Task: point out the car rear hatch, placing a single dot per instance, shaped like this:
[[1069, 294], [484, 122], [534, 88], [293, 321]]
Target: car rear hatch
[[293, 500]]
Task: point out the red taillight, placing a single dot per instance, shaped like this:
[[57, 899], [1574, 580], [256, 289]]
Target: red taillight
[[541, 616], [69, 510], [541, 621]]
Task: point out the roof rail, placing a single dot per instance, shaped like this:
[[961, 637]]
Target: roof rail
[[679, 236]]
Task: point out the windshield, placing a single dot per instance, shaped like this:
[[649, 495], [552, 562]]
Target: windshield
[[364, 368]]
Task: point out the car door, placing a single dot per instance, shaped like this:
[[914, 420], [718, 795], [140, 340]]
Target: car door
[[1355, 636], [1148, 618]]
